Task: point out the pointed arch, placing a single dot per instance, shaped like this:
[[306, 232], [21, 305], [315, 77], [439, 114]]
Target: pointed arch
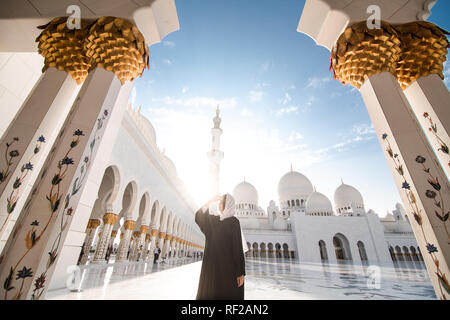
[[129, 199], [342, 247], [144, 209], [109, 186]]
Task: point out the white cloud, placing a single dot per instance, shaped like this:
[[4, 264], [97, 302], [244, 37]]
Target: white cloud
[[287, 98], [294, 147], [246, 113], [295, 136], [359, 132], [309, 102], [363, 129], [185, 89], [167, 61], [291, 87], [316, 82], [255, 95], [262, 85], [168, 43], [197, 102], [287, 110], [265, 66]]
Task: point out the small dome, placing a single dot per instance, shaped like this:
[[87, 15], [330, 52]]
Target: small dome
[[346, 195], [318, 203], [245, 192], [169, 164], [144, 125], [389, 217], [294, 185], [280, 224]]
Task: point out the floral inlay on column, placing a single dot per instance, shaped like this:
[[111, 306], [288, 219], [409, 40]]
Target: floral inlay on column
[[54, 199], [39, 285], [4, 173], [434, 195], [14, 196], [434, 130]]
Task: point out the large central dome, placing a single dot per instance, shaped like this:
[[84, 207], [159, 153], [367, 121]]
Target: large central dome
[[294, 185], [245, 192]]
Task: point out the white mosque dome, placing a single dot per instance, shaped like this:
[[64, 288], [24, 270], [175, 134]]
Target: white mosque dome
[[144, 125], [169, 164], [147, 129], [245, 192], [389, 217], [294, 185], [346, 195], [280, 223], [318, 203]]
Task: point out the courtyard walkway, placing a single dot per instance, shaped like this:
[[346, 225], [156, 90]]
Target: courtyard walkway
[[266, 279]]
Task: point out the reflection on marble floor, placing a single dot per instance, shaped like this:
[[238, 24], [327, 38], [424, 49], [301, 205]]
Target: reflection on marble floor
[[266, 279]]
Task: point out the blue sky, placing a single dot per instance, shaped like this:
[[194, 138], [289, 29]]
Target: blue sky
[[279, 103]]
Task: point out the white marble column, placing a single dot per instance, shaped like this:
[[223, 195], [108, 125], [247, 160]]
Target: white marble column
[[109, 219], [359, 57], [179, 248], [162, 238], [153, 236], [61, 184], [430, 101], [89, 239], [112, 237], [182, 249], [133, 246], [28, 140], [124, 244], [165, 250], [174, 245], [141, 242], [145, 250], [420, 179]]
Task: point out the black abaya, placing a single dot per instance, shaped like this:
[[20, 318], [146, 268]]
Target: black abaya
[[223, 260]]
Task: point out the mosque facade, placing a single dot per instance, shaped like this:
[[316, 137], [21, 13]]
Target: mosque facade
[[304, 225]]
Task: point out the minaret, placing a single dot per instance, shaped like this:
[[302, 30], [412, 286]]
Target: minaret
[[215, 155]]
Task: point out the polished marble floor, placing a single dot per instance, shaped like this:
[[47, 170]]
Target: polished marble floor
[[266, 279]]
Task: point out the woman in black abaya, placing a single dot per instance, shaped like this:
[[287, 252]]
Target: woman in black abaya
[[223, 266]]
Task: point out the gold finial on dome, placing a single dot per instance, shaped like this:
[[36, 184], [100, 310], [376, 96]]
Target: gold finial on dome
[[291, 168], [342, 180], [217, 111], [139, 109]]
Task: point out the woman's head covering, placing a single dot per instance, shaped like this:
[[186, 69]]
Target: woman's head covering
[[229, 212], [229, 209]]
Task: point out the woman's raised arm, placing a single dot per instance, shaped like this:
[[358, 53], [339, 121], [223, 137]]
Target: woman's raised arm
[[202, 216]]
